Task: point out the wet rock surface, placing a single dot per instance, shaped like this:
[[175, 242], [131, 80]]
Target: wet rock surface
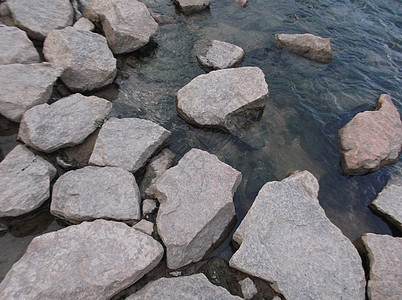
[[192, 6]]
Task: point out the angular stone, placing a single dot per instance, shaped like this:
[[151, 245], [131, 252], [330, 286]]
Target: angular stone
[[372, 139], [85, 57], [84, 24], [64, 123], [306, 45], [128, 143], [25, 182], [287, 239], [39, 17], [94, 193], [24, 86], [148, 206], [127, 24], [93, 260], [145, 226], [196, 207], [214, 99], [191, 6], [248, 288]]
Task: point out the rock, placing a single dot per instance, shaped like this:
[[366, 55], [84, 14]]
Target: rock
[[214, 99], [191, 6], [199, 183], [65, 123], [93, 260], [15, 47], [127, 24], [148, 206], [85, 57], [191, 287], [242, 3], [25, 86], [286, 239], [214, 54], [4, 11], [128, 143], [94, 193], [307, 45], [25, 182], [162, 19], [372, 139], [145, 226], [84, 24], [39, 17], [248, 288]]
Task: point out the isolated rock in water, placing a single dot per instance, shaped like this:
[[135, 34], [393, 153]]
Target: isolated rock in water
[[65, 123], [84, 24], [306, 45], [85, 57], [214, 54], [191, 287], [25, 86], [248, 288], [216, 98], [93, 260], [127, 24], [25, 182], [128, 143], [94, 193], [148, 206], [196, 207], [287, 239], [191, 6], [39, 17], [372, 139], [16, 47], [145, 226]]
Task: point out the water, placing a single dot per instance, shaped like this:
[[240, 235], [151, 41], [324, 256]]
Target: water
[[308, 102]]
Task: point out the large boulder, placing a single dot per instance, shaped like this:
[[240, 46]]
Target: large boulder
[[214, 99], [192, 6], [287, 239], [93, 260], [25, 182], [196, 207], [372, 139], [39, 17], [128, 143], [24, 86], [93, 193], [85, 57], [64, 123], [127, 24]]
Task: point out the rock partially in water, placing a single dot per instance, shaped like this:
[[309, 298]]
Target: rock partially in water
[[39, 17], [85, 57], [191, 6], [217, 98], [145, 226], [127, 24], [84, 24], [25, 182], [307, 45], [93, 260], [94, 193], [287, 240], [65, 123], [248, 288], [372, 139], [196, 207], [148, 206]]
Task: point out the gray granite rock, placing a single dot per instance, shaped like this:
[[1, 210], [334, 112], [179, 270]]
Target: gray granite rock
[[145, 226], [127, 24], [214, 99], [128, 143], [84, 24], [93, 260], [39, 17], [64, 123], [286, 239], [25, 182], [196, 206], [248, 288], [148, 206], [25, 86], [191, 6]]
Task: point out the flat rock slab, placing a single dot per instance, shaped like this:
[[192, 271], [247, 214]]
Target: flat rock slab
[[286, 239], [192, 6], [128, 143], [25, 182], [64, 123], [307, 45], [85, 57], [214, 99], [94, 193], [127, 24], [93, 260], [192, 287], [39, 17], [196, 207], [372, 139], [24, 86]]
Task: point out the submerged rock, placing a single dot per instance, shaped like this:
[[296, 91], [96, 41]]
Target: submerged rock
[[93, 260], [84, 24], [191, 6]]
